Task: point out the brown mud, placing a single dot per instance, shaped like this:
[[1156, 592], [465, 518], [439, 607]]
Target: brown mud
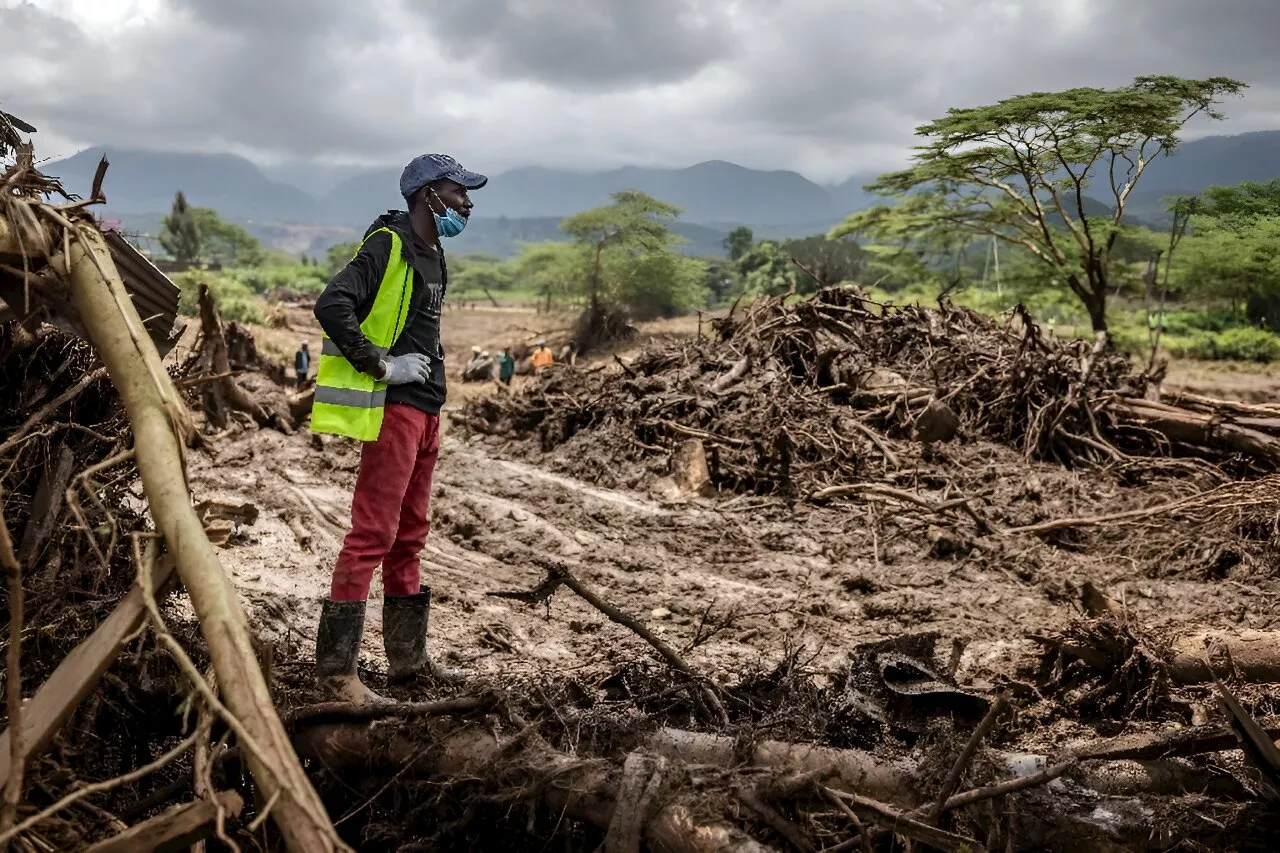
[[777, 599]]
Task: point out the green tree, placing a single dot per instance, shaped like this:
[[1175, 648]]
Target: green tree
[[738, 241], [633, 267], [179, 233], [225, 242], [1231, 252], [483, 273], [721, 280], [1018, 171], [1241, 201], [338, 256], [766, 268], [553, 269]]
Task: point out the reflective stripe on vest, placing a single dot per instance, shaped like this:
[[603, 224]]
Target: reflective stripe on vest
[[349, 402]]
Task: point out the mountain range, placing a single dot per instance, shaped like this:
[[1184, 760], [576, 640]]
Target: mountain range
[[527, 203]]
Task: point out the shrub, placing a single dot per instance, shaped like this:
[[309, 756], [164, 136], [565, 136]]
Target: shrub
[[1238, 344], [235, 301], [296, 277]]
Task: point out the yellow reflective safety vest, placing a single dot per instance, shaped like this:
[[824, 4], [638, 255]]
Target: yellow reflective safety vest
[[347, 401]]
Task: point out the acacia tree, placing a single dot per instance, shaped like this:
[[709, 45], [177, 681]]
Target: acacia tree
[[633, 266], [1018, 171], [550, 267], [180, 233]]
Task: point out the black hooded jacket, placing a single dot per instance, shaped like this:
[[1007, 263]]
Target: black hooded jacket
[[348, 298]]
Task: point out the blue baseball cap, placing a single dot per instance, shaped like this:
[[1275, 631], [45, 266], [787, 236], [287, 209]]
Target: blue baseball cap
[[427, 168]]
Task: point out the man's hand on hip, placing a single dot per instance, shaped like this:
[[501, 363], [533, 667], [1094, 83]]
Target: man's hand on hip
[[404, 369]]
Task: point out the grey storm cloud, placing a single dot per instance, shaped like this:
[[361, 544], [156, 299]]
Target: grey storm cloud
[[827, 87], [584, 44]]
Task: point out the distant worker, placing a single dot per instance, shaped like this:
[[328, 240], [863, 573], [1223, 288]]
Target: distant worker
[[381, 380], [542, 356], [569, 353], [506, 366], [471, 365], [481, 368], [302, 364]]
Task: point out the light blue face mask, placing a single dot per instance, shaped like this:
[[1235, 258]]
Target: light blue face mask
[[452, 223]]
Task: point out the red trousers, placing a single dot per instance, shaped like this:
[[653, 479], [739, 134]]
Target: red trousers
[[391, 508]]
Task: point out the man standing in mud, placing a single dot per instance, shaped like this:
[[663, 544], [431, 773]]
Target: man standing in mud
[[381, 380]]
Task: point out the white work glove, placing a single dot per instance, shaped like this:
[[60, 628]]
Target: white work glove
[[404, 369]]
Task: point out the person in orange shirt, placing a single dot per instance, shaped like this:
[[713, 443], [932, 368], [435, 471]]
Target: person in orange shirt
[[542, 356]]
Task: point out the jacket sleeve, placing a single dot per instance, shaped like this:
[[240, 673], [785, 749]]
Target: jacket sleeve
[[348, 297]]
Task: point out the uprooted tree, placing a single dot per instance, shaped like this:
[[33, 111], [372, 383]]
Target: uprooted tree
[[1019, 170]]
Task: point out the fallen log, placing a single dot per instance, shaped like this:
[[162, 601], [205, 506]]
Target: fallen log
[[160, 428], [580, 790], [1248, 655], [883, 791], [844, 770], [894, 781], [739, 370], [300, 406], [176, 830], [1182, 426]]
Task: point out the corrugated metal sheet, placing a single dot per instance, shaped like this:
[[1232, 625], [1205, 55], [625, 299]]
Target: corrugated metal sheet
[[154, 295]]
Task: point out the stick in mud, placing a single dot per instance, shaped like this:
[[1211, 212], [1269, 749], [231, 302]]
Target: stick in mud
[[558, 574]]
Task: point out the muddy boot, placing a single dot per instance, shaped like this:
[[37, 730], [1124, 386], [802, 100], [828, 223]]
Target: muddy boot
[[337, 646], [404, 636]]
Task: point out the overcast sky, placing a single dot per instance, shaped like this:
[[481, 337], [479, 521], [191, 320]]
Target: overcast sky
[[826, 87]]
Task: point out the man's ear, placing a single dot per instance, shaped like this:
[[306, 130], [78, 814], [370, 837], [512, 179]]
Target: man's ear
[[431, 197]]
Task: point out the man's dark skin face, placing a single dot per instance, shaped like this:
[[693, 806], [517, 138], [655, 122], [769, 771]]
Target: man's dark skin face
[[435, 198]]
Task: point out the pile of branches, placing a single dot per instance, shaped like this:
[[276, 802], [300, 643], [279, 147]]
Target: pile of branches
[[130, 514], [71, 500], [803, 397]]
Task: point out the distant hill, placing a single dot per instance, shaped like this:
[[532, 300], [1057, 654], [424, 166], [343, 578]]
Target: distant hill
[[145, 181], [714, 191], [488, 235], [524, 203]]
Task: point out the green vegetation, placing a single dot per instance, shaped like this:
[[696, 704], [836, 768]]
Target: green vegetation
[[235, 301], [1018, 171], [196, 235], [179, 233], [995, 211], [628, 261]]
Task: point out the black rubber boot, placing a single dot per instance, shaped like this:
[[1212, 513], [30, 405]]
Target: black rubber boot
[[337, 649], [404, 636]]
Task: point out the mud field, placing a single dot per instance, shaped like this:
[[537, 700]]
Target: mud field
[[850, 587]]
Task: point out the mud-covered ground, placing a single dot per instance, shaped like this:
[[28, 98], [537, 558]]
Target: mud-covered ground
[[760, 576]]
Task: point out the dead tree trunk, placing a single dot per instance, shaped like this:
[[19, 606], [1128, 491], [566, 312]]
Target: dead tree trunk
[[581, 790], [223, 394], [160, 427]]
